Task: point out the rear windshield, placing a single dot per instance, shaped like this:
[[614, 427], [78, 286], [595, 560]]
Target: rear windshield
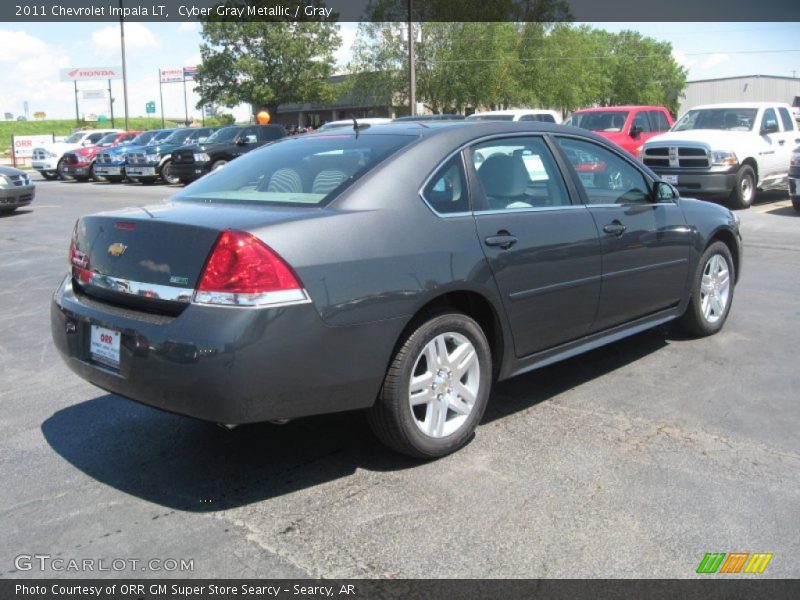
[[610, 121], [491, 117], [304, 171], [732, 119]]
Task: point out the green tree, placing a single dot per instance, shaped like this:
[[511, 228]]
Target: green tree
[[266, 63]]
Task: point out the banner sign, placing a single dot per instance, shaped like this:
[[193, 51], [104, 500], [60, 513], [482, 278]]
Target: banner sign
[[171, 74], [24, 144], [89, 73], [189, 73]]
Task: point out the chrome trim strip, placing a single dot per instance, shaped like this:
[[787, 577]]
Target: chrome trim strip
[[506, 211], [138, 288], [523, 294], [644, 268]]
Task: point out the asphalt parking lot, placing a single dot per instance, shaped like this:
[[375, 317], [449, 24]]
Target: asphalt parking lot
[[631, 461]]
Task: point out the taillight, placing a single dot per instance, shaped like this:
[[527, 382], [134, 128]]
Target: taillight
[[79, 263], [243, 271]]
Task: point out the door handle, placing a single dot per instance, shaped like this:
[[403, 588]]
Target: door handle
[[615, 228], [503, 239]]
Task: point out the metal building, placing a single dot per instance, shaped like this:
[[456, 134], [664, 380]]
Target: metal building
[[752, 88]]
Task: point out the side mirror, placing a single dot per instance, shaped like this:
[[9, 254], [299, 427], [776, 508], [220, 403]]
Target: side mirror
[[769, 127], [635, 131], [242, 141], [665, 192], [86, 143]]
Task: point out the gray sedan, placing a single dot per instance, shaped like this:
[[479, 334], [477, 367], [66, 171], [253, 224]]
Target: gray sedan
[[16, 189], [399, 269]]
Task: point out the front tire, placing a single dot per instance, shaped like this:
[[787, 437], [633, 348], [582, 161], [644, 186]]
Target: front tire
[[712, 292], [436, 389], [744, 191], [94, 176], [167, 175], [796, 203], [60, 169], [49, 175]]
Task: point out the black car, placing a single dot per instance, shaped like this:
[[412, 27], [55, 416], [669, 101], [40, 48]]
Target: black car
[[794, 179], [399, 269], [194, 161]]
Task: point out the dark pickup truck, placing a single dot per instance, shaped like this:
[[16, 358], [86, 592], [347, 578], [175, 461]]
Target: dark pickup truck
[[192, 162]]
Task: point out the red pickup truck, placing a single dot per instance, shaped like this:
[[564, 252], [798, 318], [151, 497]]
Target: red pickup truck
[[627, 126], [79, 164]]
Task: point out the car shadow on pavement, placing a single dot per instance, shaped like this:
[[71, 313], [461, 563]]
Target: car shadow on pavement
[[190, 465], [14, 213]]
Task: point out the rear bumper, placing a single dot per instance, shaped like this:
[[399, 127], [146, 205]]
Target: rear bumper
[[190, 172], [708, 183], [17, 196], [228, 365]]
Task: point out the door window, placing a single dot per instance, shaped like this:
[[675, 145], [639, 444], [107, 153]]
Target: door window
[[659, 121], [518, 173], [788, 122], [641, 121], [605, 177], [249, 136], [769, 119], [446, 192]]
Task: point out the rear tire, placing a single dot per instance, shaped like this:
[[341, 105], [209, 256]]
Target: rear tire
[[744, 191], [711, 293], [436, 388]]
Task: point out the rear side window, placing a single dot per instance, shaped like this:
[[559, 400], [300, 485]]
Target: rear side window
[[518, 173], [446, 192], [788, 122], [297, 171], [265, 134], [540, 117]]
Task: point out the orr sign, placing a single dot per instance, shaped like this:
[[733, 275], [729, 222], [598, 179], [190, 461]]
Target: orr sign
[[90, 73]]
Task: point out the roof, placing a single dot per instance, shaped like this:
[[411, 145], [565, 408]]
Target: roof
[[516, 111], [746, 77], [741, 105], [619, 108]]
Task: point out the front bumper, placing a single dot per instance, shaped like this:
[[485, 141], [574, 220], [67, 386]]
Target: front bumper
[[138, 170], [110, 170], [17, 196], [708, 183], [77, 170], [224, 364], [190, 171], [45, 165]]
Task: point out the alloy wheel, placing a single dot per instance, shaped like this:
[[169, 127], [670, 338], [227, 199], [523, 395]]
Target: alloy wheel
[[715, 288]]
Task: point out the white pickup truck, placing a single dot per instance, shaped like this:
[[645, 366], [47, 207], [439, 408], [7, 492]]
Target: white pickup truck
[[47, 158], [729, 150]]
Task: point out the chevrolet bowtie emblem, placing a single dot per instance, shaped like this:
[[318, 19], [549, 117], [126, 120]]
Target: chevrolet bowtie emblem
[[117, 249]]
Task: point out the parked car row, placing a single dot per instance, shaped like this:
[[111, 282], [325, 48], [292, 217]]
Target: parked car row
[[172, 155]]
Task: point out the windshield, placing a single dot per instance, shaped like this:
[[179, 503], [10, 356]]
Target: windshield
[[491, 117], [607, 120], [160, 136], [75, 138], [143, 138], [179, 136], [730, 119], [226, 134], [108, 139], [306, 171]]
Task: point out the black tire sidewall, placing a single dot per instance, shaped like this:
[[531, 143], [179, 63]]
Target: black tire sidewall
[[696, 303], [736, 196], [436, 325], [165, 171]]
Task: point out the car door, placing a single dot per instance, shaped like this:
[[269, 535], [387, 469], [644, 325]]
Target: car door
[[771, 144], [645, 243], [543, 249], [789, 138]]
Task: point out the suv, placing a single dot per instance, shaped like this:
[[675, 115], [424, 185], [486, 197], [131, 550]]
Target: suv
[[627, 126], [47, 158], [110, 163], [146, 165], [192, 162], [726, 150], [518, 114], [79, 164]]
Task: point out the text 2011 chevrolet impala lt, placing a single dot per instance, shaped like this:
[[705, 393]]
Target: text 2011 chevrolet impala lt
[[399, 269]]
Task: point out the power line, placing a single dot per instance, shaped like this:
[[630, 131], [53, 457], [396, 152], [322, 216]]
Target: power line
[[599, 57]]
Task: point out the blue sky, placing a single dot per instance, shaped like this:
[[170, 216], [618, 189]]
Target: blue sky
[[32, 53]]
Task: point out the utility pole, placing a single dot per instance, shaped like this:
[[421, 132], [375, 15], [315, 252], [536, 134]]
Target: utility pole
[[124, 66], [111, 103], [161, 98], [412, 76], [77, 114]]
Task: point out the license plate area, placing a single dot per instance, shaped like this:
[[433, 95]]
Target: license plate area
[[104, 346], [673, 179]]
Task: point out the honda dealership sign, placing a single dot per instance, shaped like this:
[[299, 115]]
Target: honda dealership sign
[[88, 73], [171, 74]]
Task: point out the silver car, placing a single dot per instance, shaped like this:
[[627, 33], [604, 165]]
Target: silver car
[[16, 189]]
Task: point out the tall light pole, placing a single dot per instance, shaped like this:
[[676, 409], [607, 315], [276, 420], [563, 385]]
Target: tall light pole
[[412, 76], [124, 66]]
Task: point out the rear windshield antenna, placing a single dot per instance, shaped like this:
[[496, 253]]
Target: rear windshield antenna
[[355, 124]]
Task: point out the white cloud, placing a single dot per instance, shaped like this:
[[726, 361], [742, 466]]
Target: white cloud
[[348, 33], [683, 60], [713, 60], [193, 60], [188, 27], [106, 41]]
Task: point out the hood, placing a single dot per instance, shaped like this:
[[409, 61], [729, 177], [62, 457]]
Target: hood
[[703, 136], [10, 171], [58, 147], [121, 150]]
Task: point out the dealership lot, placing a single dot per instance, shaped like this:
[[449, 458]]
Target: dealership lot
[[631, 461]]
